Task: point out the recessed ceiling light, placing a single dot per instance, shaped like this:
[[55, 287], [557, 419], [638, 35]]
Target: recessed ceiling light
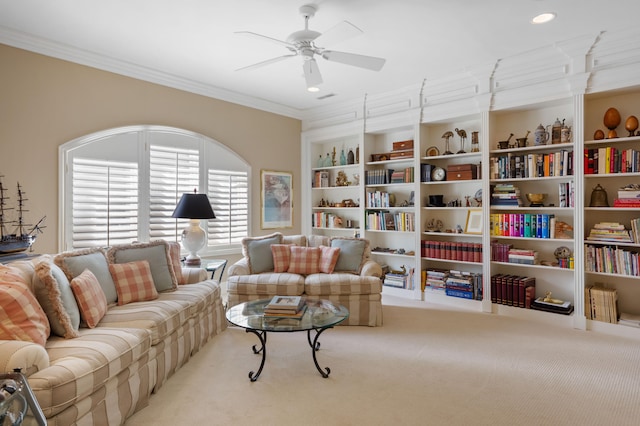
[[543, 18], [313, 89]]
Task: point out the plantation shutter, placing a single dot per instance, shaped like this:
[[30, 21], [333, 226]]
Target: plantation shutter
[[172, 172], [105, 202], [228, 193]]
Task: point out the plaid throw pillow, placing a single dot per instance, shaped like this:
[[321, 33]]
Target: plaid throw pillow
[[90, 297], [328, 259], [304, 260], [134, 282], [22, 317], [281, 257], [176, 261]]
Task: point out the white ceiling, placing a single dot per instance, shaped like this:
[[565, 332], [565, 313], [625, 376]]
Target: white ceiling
[[193, 41]]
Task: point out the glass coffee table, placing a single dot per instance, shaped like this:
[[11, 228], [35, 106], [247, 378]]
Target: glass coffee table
[[319, 316]]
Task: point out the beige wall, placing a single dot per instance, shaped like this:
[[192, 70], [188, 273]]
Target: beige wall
[[45, 102]]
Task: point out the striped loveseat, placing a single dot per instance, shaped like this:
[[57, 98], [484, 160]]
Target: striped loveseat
[[338, 269], [102, 375]]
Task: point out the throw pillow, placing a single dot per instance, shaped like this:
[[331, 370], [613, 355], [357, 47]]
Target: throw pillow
[[176, 261], [73, 263], [281, 257], [257, 250], [134, 282], [91, 299], [22, 317], [328, 259], [53, 291], [352, 253], [156, 253], [304, 260]]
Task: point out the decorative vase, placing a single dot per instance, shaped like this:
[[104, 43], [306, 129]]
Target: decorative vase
[[350, 157], [611, 118], [343, 158], [631, 124]]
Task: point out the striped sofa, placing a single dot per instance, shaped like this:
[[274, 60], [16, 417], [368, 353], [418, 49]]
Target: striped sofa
[[359, 290], [107, 373]]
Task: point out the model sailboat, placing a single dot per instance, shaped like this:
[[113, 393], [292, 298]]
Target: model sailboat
[[21, 240]]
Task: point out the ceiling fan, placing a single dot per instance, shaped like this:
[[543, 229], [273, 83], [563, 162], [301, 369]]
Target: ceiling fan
[[307, 44]]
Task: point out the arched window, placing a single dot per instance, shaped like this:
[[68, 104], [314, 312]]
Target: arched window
[[122, 185]]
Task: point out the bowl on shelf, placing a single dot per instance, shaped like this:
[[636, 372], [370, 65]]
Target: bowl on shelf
[[536, 199]]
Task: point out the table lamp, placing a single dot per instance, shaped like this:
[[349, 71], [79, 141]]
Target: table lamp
[[193, 207]]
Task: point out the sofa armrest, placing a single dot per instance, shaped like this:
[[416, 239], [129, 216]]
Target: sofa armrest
[[241, 267], [371, 269], [27, 356], [194, 275]]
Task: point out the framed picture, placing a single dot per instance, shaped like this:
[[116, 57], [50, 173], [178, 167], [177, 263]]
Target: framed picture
[[474, 222], [276, 193]]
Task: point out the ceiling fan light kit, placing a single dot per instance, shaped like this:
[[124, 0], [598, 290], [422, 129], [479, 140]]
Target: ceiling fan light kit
[[306, 44]]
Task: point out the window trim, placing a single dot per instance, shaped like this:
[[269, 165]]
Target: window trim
[[67, 149]]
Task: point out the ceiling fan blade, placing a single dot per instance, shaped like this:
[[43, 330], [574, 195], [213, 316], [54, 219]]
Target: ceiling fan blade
[[267, 62], [362, 61], [266, 38], [340, 32], [312, 73]]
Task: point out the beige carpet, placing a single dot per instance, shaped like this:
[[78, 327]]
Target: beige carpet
[[426, 365]]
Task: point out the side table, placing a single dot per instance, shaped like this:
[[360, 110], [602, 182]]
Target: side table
[[215, 265]]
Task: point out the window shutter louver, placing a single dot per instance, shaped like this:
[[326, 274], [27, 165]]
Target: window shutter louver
[[172, 172], [105, 202], [228, 193]]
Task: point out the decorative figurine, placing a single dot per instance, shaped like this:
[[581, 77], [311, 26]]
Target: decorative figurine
[[463, 137], [333, 156], [446, 136], [549, 299]]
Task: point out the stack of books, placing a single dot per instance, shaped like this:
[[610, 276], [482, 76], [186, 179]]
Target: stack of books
[[285, 307], [523, 256], [609, 231], [506, 194], [463, 284], [435, 280], [540, 304], [628, 196]]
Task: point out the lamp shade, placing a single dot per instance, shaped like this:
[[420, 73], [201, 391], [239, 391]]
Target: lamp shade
[[194, 206]]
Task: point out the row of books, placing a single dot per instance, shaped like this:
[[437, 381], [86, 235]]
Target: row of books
[[611, 260], [380, 199], [601, 303], [512, 166], [386, 176], [390, 221], [513, 290], [452, 250], [610, 159], [635, 230], [325, 220], [526, 225], [462, 284], [609, 231]]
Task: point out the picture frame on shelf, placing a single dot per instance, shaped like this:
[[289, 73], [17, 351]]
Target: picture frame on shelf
[[276, 203], [474, 222]]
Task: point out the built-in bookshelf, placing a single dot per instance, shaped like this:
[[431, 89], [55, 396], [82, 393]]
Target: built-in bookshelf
[[521, 194], [611, 211]]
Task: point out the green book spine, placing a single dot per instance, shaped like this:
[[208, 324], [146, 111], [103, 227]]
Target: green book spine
[[527, 225]]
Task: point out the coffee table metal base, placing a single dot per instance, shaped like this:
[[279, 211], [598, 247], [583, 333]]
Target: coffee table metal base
[[314, 344]]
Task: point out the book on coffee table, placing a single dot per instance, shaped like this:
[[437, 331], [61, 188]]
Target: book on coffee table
[[283, 314], [286, 304]]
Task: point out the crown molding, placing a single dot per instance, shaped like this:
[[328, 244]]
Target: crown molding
[[79, 56]]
